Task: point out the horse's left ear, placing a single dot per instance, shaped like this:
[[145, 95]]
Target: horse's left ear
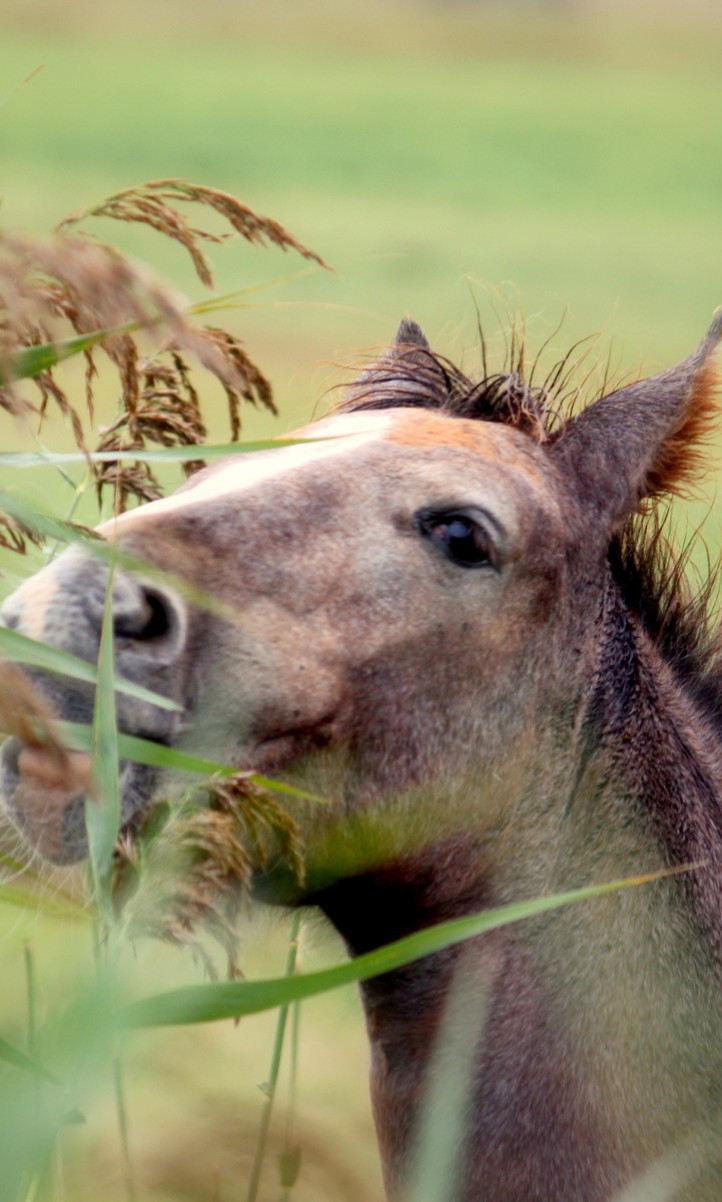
[[409, 334], [401, 376], [643, 440]]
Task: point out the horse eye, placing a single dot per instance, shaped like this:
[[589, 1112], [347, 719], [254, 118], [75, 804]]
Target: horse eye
[[460, 536]]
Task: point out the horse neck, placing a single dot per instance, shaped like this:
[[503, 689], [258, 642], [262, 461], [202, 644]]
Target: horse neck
[[562, 1013], [663, 754], [623, 778]]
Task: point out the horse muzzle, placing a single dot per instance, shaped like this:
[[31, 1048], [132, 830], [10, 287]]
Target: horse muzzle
[[44, 793]]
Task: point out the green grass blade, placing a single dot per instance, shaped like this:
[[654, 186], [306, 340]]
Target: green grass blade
[[447, 1099], [50, 527], [38, 903], [208, 1003], [272, 1084], [229, 300], [121, 1110], [12, 1055], [19, 649], [32, 360], [25, 459], [31, 989], [102, 812], [290, 1156], [278, 786], [78, 737], [46, 525]]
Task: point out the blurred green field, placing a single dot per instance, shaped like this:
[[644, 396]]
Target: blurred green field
[[425, 151], [442, 158]]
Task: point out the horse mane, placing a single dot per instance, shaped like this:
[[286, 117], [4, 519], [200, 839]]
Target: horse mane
[[654, 581], [419, 378], [651, 574]]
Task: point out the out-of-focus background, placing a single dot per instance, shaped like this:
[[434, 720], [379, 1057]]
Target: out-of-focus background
[[563, 158], [452, 160]]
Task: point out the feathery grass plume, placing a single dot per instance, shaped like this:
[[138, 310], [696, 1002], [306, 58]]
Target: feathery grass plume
[[47, 285], [166, 411], [72, 281], [14, 536], [154, 204], [188, 870], [163, 406], [249, 383]]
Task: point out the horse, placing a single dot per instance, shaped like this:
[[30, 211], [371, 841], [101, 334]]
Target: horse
[[454, 611]]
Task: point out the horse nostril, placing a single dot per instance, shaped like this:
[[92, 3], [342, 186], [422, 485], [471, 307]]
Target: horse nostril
[[160, 618], [148, 617]]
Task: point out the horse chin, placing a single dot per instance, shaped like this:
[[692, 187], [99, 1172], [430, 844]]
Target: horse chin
[[44, 792], [45, 795]]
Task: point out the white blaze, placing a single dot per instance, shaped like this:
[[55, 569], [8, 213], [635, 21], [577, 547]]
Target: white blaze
[[334, 437]]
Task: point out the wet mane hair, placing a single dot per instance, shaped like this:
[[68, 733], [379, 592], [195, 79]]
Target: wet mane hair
[[414, 376], [652, 576]]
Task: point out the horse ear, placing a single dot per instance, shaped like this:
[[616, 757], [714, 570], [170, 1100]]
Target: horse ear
[[410, 334], [644, 440], [401, 375]]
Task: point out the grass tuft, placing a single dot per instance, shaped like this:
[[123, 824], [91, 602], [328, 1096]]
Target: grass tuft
[[155, 204], [73, 284], [165, 411], [15, 536], [187, 872]]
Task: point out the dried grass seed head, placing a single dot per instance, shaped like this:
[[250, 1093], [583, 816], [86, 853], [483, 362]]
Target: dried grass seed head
[[188, 872], [155, 204], [73, 281]]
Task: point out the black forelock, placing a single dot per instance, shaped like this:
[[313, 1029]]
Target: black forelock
[[416, 377]]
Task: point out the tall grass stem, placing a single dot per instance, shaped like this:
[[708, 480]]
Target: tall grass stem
[[31, 987], [441, 1130], [291, 1153], [121, 1110], [102, 812], [271, 1084], [31, 991]]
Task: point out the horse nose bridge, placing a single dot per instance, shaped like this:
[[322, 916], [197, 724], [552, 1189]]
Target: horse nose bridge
[[28, 608], [62, 604]]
